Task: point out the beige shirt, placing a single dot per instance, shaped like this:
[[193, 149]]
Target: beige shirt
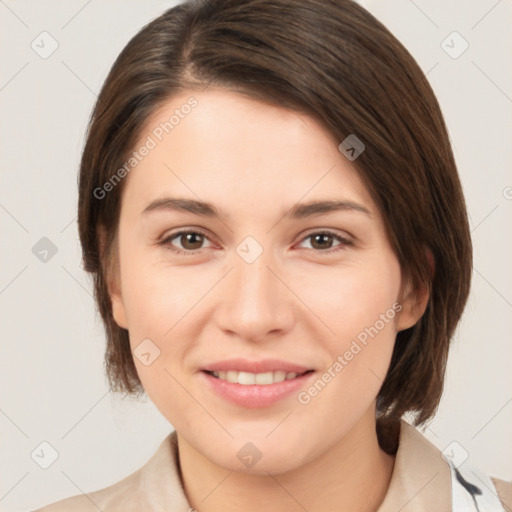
[[421, 482]]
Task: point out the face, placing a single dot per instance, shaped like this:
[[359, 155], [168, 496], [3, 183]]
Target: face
[[223, 301]]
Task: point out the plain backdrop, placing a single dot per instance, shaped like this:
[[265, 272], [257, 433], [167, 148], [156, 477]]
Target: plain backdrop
[[52, 381]]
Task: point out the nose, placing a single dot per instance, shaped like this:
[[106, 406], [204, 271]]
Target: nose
[[254, 302]]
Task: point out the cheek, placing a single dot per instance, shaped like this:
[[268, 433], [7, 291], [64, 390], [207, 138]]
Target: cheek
[[359, 305], [163, 304], [352, 298], [158, 297], [159, 305], [371, 324]]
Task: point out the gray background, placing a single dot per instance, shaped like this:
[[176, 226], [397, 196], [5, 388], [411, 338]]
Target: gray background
[[52, 381]]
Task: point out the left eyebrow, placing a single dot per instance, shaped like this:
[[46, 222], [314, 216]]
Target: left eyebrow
[[302, 210], [299, 211]]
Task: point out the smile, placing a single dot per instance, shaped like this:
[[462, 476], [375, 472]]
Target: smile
[[248, 378]]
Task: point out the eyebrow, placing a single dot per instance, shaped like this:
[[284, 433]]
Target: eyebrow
[[299, 211]]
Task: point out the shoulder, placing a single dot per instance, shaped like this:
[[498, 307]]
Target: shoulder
[[504, 490], [119, 494], [423, 479], [153, 487]]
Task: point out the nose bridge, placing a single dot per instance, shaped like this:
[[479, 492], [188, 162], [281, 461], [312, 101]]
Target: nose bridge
[[256, 302], [254, 278], [252, 259]]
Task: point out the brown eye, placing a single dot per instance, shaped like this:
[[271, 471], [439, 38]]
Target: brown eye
[[322, 242], [191, 241], [188, 242]]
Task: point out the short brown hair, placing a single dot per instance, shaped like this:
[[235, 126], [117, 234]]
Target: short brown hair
[[330, 59]]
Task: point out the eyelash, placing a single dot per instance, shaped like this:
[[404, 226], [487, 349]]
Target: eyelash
[[343, 242]]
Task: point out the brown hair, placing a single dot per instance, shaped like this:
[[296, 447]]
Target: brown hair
[[334, 61]]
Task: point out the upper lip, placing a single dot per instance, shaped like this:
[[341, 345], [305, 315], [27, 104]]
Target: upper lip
[[261, 366]]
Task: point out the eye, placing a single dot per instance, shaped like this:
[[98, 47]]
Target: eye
[[191, 241], [322, 241]]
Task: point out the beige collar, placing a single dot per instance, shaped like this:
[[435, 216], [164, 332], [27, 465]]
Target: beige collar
[[421, 479]]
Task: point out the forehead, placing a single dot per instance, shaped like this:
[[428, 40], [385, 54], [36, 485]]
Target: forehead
[[239, 153]]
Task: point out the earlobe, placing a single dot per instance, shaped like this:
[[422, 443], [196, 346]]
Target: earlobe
[[118, 310], [116, 299], [414, 305], [111, 278], [415, 301]]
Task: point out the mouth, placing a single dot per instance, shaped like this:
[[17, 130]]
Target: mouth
[[255, 383], [260, 379]]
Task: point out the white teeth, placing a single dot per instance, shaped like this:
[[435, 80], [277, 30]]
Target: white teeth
[[231, 376], [248, 378], [279, 376], [264, 378]]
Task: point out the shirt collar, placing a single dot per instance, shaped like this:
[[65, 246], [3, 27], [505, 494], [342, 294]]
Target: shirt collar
[[421, 479]]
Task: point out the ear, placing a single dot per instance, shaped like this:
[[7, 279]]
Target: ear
[[113, 279], [414, 301]]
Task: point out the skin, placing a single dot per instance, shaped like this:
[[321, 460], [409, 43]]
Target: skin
[[254, 161]]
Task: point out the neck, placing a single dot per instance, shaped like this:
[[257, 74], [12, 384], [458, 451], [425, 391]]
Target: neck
[[354, 474]]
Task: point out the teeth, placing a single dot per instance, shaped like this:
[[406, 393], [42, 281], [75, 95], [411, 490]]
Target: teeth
[[247, 378], [264, 378]]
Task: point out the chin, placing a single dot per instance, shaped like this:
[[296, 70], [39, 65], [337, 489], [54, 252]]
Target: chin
[[273, 462], [255, 451]]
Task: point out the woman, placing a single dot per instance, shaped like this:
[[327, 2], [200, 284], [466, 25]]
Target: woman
[[271, 211]]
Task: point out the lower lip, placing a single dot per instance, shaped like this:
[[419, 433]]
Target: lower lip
[[255, 395]]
